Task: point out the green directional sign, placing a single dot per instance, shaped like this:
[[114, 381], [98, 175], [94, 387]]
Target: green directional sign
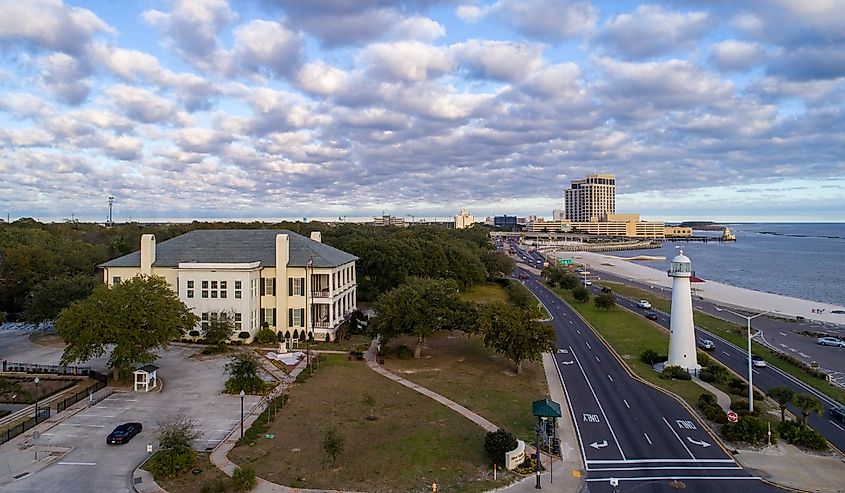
[[566, 261]]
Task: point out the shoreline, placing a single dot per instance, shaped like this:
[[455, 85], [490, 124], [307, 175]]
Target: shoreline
[[723, 294]]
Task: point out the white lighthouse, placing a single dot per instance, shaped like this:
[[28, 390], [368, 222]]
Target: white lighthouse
[[681, 329]]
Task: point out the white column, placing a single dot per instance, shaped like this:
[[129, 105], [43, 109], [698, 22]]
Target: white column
[[682, 332]]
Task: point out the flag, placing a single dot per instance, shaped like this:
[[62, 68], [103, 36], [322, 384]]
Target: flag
[[310, 262]]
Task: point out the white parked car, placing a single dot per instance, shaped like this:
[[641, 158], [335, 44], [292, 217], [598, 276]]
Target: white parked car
[[644, 304], [830, 341]]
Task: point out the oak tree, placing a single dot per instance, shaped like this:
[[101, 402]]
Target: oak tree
[[512, 332]]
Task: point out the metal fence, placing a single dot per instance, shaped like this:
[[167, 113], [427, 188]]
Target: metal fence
[[50, 369], [82, 394], [21, 427]]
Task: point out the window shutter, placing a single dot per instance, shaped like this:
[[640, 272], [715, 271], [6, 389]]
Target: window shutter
[[263, 318], [274, 286], [262, 286], [302, 283], [290, 317], [274, 317], [302, 317], [290, 286]]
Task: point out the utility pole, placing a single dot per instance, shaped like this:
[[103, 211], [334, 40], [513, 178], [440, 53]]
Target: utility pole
[[111, 203]]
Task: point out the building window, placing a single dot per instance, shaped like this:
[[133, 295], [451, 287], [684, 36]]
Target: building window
[[237, 316], [237, 290], [190, 293], [115, 280], [214, 293], [222, 293], [296, 286], [269, 283], [270, 316], [205, 293], [296, 319], [205, 284]]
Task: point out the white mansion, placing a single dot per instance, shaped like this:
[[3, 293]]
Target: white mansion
[[295, 285]]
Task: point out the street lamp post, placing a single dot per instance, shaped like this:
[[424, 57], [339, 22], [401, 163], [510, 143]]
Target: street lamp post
[[750, 368], [242, 394], [36, 397]]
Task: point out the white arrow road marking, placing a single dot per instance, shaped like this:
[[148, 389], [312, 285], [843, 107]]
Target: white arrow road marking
[[782, 333], [696, 442], [597, 445], [567, 362]]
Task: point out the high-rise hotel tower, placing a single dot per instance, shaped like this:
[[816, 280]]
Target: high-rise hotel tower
[[591, 198]]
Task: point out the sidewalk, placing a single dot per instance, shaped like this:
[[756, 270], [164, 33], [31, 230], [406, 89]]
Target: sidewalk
[[723, 399]]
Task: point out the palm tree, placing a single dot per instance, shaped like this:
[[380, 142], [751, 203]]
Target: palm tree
[[783, 396], [807, 404]]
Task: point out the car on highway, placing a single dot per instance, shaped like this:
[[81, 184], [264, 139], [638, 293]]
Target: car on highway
[[123, 433], [706, 345], [830, 341], [757, 361], [651, 315], [644, 304], [523, 275], [838, 413], [605, 289], [588, 283]]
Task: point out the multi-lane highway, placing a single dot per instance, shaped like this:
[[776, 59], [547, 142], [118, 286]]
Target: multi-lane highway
[[628, 430]]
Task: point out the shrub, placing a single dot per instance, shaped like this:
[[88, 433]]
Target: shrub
[[739, 405], [794, 433], [568, 281], [789, 431], [651, 358], [243, 478], [497, 443], [265, 336], [243, 335], [704, 359], [738, 386], [749, 429], [405, 352], [706, 399], [170, 463], [243, 372], [605, 301], [581, 294], [707, 376], [676, 372], [715, 414], [194, 333], [328, 337]]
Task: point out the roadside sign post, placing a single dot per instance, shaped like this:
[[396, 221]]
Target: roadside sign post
[[733, 418]]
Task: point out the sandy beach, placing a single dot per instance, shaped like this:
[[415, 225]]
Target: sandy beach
[[723, 294]]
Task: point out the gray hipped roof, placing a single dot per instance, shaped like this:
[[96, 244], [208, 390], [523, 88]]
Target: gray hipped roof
[[237, 246]]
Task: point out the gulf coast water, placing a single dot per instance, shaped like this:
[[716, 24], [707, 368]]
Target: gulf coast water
[[802, 260]]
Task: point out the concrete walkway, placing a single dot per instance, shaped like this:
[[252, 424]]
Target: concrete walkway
[[722, 398]]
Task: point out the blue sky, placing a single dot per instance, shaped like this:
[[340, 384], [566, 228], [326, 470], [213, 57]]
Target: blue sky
[[325, 108]]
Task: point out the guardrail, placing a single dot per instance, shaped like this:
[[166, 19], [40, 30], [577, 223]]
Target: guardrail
[[13, 431], [50, 369]]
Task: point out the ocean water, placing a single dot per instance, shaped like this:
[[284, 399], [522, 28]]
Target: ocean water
[[802, 260]]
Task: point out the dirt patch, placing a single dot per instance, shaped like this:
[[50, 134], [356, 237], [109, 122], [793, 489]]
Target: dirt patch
[[204, 474]]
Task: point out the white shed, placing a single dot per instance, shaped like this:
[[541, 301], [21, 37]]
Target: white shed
[[145, 378]]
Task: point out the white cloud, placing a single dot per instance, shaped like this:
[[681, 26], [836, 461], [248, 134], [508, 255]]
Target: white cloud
[[470, 13], [652, 30], [65, 76], [406, 60], [191, 28], [266, 46], [547, 20], [732, 55], [500, 60], [49, 24], [141, 105], [418, 28], [321, 78]]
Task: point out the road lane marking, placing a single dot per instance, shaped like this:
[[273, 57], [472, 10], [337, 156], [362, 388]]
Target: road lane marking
[[588, 345], [77, 463], [836, 425], [572, 413], [647, 438], [679, 438], [63, 435], [673, 460], [659, 468], [669, 478], [95, 416], [611, 378], [570, 322], [597, 359], [74, 424], [601, 409], [783, 334], [579, 332], [726, 353], [626, 404]]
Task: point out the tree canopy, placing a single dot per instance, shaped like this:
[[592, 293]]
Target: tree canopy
[[138, 316], [419, 307], [783, 396], [512, 331], [53, 295]]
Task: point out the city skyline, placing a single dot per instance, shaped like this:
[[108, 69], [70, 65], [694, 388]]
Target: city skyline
[[280, 109]]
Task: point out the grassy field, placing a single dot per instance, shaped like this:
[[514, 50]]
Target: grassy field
[[462, 369], [736, 335], [193, 483], [412, 442], [485, 292]]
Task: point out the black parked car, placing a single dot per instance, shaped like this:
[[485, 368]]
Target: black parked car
[[651, 315], [124, 433]]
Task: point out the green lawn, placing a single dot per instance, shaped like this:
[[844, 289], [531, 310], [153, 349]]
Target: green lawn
[[736, 335], [462, 369], [485, 292], [413, 441]]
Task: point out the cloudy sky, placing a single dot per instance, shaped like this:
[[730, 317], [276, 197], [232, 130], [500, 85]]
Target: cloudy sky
[[326, 108]]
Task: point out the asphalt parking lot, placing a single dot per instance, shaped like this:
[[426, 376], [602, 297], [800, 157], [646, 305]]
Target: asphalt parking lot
[[192, 387]]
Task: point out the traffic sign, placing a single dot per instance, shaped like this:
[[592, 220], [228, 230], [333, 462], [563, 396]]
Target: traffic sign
[[566, 261], [732, 417]]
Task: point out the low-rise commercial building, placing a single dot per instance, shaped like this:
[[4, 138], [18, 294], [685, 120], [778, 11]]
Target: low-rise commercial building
[[294, 285]]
